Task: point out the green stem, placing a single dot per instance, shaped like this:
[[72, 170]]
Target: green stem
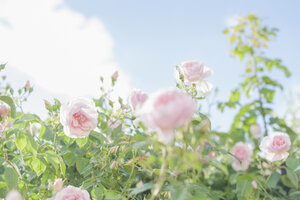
[[161, 178]]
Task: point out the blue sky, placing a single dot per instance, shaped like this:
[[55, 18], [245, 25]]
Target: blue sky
[[151, 37], [63, 46]]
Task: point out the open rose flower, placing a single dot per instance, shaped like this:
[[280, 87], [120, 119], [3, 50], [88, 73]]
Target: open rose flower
[[137, 98], [165, 111], [57, 185], [255, 130], [196, 72], [244, 153], [78, 117], [13, 195], [275, 147], [72, 193]]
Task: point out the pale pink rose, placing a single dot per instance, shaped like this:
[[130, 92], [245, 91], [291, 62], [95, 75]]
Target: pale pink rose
[[137, 98], [57, 185], [72, 193], [255, 130], [244, 153], [3, 111], [275, 147], [196, 72], [78, 117], [115, 75], [113, 124], [165, 111], [13, 195], [254, 184]]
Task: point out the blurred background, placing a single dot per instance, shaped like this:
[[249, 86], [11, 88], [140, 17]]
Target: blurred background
[[64, 46]]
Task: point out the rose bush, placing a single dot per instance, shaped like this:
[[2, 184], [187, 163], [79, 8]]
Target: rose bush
[[156, 146]]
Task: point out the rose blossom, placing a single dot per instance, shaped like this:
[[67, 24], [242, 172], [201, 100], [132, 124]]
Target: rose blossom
[[167, 110], [196, 72], [244, 153], [13, 195], [78, 117], [137, 98], [72, 193], [255, 130], [3, 111], [57, 185], [275, 147]]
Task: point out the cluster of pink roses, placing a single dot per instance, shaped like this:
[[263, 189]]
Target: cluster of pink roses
[[70, 192], [274, 148], [163, 111]]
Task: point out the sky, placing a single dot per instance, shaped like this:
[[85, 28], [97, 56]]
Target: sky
[[63, 46]]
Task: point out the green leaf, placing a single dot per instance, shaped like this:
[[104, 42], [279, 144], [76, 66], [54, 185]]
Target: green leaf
[[244, 189], [292, 163], [292, 176], [21, 141], [11, 104], [268, 94], [31, 144], [82, 141], [11, 178], [31, 118], [235, 96], [47, 133], [143, 188], [275, 177], [97, 193], [70, 159], [38, 166], [81, 163], [2, 66]]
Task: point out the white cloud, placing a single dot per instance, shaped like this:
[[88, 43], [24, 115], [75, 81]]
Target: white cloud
[[233, 20], [63, 51]]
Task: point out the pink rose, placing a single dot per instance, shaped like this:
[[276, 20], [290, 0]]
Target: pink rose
[[167, 110], [244, 153], [57, 185], [13, 195], [4, 111], [255, 130], [78, 117], [196, 72], [72, 193], [275, 147], [254, 184], [137, 98]]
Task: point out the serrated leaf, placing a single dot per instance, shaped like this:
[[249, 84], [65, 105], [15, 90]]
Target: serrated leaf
[[21, 142], [11, 178], [244, 189], [292, 176], [97, 193], [292, 163], [275, 177], [38, 166], [82, 141]]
